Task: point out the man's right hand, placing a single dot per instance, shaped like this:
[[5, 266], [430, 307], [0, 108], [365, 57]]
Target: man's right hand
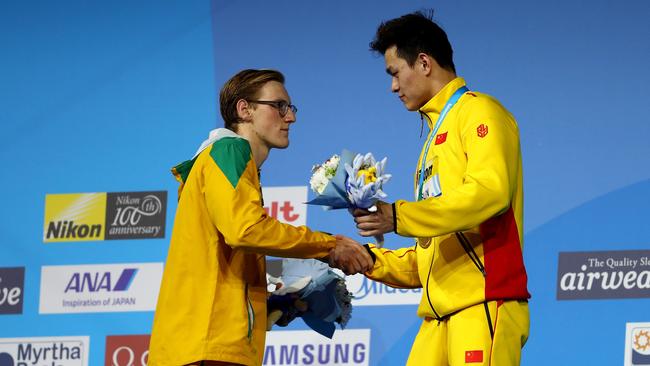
[[350, 256]]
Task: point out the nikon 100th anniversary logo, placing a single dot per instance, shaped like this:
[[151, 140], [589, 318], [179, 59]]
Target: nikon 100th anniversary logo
[[104, 216]]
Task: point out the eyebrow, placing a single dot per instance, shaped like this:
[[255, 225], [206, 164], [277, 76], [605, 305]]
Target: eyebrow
[[279, 99]]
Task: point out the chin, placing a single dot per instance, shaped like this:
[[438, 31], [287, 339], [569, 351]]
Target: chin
[[408, 105], [282, 145]]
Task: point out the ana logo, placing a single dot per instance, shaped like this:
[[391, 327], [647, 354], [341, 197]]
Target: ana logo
[[127, 350], [369, 292], [347, 347], [11, 290], [99, 288], [94, 282], [482, 130], [50, 351], [286, 204], [637, 344]]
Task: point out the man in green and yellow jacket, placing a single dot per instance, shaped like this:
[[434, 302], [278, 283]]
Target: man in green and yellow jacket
[[212, 303]]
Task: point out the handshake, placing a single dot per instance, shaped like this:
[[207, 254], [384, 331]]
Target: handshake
[[349, 256]]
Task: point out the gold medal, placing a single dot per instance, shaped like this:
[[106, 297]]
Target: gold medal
[[424, 242]]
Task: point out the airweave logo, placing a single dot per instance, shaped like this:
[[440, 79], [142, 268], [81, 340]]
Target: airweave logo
[[104, 216], [603, 275], [44, 351], [12, 282], [305, 347], [100, 288]]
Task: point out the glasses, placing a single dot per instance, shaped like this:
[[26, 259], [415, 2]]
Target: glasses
[[282, 106]]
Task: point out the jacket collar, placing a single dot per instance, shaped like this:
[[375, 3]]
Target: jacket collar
[[215, 135], [434, 106]]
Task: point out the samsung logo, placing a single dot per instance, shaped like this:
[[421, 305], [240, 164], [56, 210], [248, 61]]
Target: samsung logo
[[311, 354], [347, 347]]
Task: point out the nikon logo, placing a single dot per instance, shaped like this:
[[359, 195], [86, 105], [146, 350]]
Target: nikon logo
[[104, 216], [74, 217], [70, 230]]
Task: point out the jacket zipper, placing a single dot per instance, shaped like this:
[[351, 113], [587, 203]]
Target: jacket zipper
[[477, 262], [251, 315], [422, 115], [427, 287]]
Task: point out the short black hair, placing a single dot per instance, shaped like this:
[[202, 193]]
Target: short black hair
[[412, 34]]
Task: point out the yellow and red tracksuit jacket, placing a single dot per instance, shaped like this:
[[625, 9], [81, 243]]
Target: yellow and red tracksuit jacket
[[471, 214], [212, 301]]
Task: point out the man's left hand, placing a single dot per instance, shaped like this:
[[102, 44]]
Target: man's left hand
[[374, 223]]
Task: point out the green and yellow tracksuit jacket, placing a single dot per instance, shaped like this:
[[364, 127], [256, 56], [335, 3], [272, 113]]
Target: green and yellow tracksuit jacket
[[468, 226], [212, 301]]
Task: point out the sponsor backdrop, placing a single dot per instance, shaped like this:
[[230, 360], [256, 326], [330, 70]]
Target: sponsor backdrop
[[99, 100]]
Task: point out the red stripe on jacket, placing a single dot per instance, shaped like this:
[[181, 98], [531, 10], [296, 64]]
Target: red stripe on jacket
[[504, 263]]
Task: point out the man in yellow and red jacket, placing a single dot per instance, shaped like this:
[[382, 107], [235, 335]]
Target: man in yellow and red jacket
[[467, 218], [212, 303]]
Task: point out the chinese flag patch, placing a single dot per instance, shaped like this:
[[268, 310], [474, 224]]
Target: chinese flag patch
[[441, 138], [482, 130], [473, 356]]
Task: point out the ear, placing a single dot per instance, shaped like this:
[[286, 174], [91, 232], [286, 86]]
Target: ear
[[244, 110], [424, 63]]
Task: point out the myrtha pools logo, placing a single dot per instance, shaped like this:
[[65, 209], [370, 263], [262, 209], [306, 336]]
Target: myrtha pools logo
[[100, 288], [104, 216], [44, 351], [637, 344]]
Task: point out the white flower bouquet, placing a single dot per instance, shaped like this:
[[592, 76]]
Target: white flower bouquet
[[311, 290], [349, 181]]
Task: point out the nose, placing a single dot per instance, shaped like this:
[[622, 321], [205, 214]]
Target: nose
[[290, 117], [394, 85]]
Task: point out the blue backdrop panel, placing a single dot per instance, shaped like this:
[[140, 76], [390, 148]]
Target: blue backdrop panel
[[106, 97]]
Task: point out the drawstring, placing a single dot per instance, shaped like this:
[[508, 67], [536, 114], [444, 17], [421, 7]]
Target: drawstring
[[489, 319], [470, 252], [421, 124]]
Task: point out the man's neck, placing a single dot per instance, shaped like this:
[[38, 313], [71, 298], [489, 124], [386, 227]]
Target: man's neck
[[440, 79], [259, 150]]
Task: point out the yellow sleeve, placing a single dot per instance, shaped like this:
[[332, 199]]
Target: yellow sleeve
[[233, 200], [490, 140], [396, 268]]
